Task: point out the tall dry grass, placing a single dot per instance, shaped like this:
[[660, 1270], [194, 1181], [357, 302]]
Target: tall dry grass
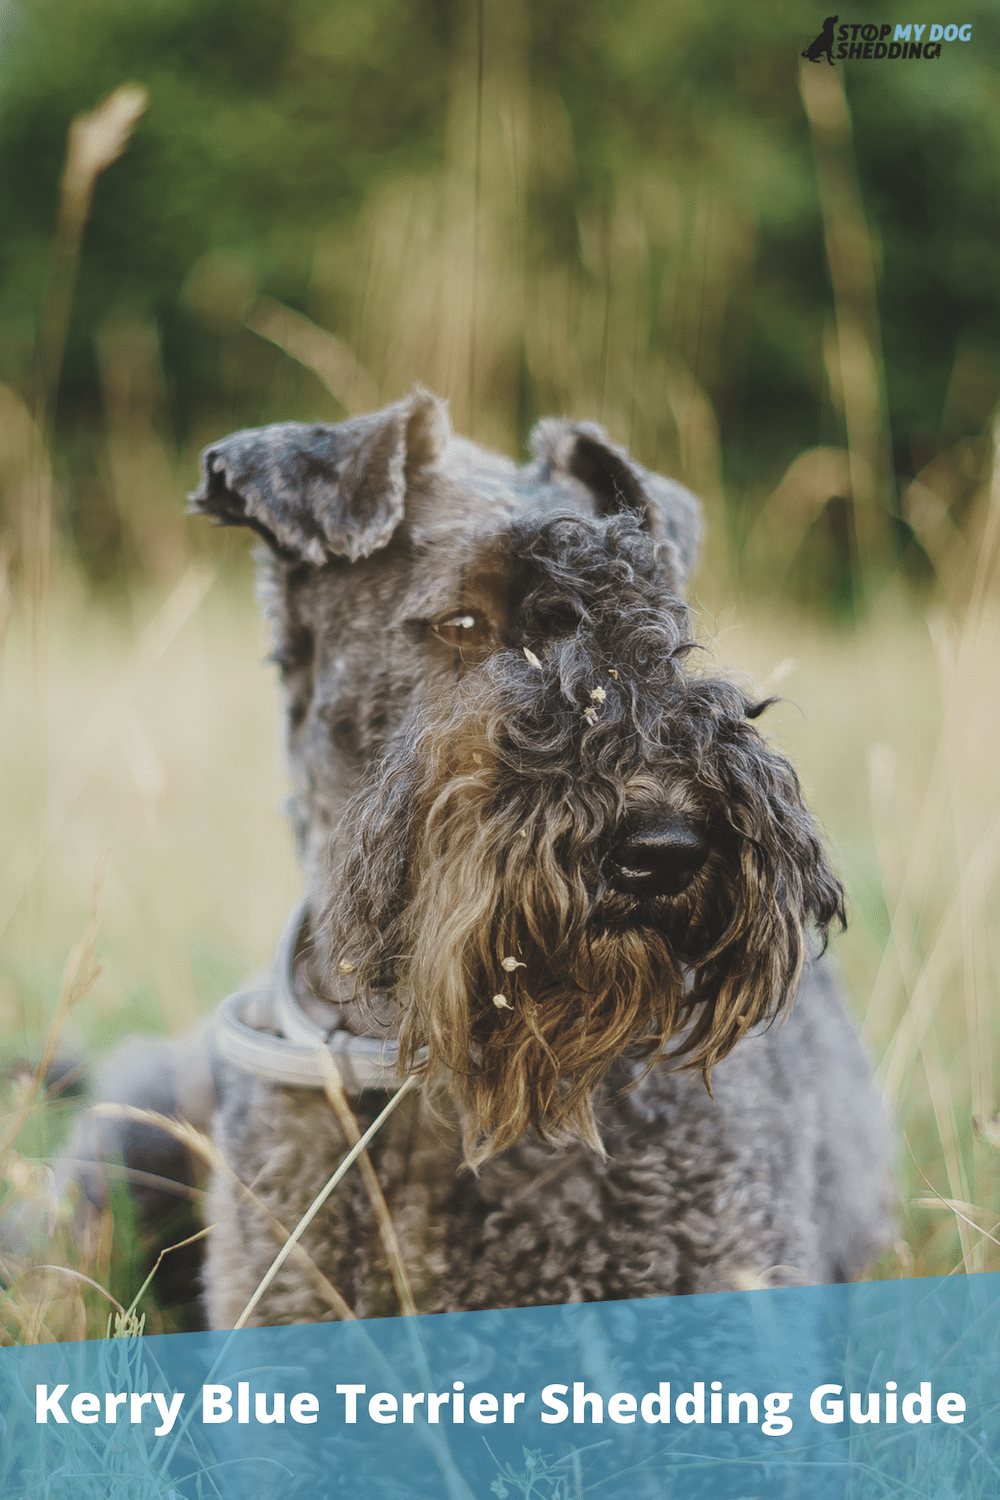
[[145, 721]]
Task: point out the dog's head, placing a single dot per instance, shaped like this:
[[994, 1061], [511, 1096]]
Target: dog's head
[[525, 815]]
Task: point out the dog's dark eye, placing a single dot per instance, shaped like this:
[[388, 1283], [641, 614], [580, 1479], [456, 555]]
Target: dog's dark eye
[[463, 628]]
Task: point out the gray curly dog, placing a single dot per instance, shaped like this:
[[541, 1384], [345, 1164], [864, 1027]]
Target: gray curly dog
[[554, 872]]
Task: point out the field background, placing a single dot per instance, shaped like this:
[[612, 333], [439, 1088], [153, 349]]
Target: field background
[[774, 280]]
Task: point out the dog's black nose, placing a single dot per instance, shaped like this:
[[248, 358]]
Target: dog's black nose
[[655, 854]]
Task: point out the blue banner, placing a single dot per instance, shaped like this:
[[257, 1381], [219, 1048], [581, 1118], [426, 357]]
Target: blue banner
[[883, 1389]]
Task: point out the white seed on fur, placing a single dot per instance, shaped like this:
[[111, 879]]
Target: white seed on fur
[[522, 833], [590, 714], [598, 695], [477, 758], [530, 657], [613, 673], [346, 967], [502, 1003], [510, 964]]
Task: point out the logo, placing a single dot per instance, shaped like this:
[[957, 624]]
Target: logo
[[868, 41], [823, 45]]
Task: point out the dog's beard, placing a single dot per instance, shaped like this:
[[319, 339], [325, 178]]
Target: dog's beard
[[484, 912]]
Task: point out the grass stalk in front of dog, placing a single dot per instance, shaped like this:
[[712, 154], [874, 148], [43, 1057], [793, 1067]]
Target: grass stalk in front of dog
[[334, 1088]]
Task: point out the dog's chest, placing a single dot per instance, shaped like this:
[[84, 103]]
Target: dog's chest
[[537, 1225]]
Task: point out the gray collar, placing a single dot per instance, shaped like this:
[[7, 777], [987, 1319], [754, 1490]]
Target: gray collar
[[264, 1030]]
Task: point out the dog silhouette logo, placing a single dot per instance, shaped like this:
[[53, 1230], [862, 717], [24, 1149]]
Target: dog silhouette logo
[[823, 43]]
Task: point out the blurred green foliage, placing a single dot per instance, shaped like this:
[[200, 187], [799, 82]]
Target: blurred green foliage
[[650, 164]]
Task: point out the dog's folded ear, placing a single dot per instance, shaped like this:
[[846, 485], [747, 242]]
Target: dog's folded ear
[[315, 492], [617, 482]]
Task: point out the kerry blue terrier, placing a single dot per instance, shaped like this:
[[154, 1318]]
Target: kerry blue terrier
[[552, 867]]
